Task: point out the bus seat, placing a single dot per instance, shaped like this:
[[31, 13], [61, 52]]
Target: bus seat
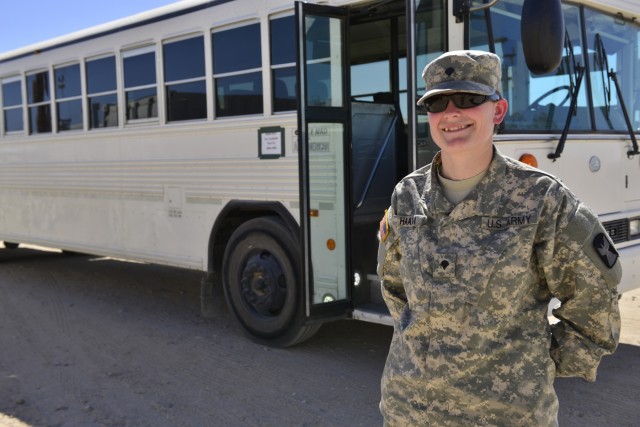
[[383, 98]]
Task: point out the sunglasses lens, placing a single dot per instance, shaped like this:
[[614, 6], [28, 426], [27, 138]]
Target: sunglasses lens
[[475, 100], [464, 100], [438, 104]]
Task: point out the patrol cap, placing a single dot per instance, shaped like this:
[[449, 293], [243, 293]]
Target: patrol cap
[[470, 71]]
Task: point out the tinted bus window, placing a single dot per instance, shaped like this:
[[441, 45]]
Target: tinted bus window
[[68, 97], [12, 105], [38, 98], [228, 58], [102, 92], [237, 72], [187, 101], [283, 69], [11, 93], [140, 84], [101, 75], [67, 81], [184, 59], [184, 74]]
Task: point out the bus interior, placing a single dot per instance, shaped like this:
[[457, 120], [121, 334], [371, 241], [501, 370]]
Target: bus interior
[[379, 138]]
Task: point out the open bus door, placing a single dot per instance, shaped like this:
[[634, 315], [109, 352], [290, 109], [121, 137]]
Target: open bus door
[[323, 135], [353, 149]]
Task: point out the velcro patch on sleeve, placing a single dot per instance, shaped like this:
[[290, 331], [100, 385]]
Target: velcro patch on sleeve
[[605, 250], [384, 226]]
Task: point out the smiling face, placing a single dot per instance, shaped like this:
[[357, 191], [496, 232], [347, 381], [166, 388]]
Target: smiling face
[[467, 133]]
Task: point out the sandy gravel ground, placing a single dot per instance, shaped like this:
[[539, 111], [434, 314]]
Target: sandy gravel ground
[[86, 341]]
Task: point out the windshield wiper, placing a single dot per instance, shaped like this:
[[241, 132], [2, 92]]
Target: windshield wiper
[[603, 63], [576, 73]]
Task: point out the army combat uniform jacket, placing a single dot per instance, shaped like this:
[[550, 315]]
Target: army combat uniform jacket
[[468, 287]]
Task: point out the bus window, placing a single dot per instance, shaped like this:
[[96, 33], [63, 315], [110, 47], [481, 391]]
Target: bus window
[[184, 76], [370, 69], [140, 83], [12, 104], [102, 92], [379, 63], [68, 97], [324, 83], [38, 102], [237, 73], [283, 64]]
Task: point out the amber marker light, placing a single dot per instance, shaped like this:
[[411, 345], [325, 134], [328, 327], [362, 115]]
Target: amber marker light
[[529, 159], [314, 213], [331, 244]]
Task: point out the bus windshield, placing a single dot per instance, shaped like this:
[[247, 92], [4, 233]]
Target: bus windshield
[[541, 103]]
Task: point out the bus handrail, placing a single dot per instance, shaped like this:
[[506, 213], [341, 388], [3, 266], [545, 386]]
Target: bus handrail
[[387, 138]]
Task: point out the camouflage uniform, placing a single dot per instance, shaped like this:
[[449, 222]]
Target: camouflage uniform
[[468, 288]]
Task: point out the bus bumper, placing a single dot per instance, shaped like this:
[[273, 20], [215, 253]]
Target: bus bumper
[[630, 259]]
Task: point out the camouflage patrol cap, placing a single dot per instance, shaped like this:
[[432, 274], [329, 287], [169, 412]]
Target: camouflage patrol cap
[[470, 71]]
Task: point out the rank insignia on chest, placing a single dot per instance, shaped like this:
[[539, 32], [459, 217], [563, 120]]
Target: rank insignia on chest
[[444, 266]]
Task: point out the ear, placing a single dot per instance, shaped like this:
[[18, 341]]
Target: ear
[[500, 111]]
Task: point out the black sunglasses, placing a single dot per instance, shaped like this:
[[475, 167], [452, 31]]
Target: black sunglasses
[[438, 104]]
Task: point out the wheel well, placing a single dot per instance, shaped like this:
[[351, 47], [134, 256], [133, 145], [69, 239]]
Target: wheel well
[[235, 213]]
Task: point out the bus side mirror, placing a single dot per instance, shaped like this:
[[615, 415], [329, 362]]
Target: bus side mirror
[[542, 32]]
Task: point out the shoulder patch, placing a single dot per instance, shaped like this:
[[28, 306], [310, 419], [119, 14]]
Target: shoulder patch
[[605, 250], [384, 226]]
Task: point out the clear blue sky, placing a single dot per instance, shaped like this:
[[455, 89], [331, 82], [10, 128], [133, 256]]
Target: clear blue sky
[[24, 22]]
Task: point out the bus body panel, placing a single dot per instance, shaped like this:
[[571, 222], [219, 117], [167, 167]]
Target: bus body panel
[[141, 196]]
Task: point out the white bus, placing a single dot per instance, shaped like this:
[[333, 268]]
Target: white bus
[[259, 140]]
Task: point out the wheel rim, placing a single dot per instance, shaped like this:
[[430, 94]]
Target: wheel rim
[[263, 284]]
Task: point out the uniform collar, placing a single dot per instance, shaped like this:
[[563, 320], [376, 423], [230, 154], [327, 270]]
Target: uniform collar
[[485, 199]]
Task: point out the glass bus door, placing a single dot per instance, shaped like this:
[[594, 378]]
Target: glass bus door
[[357, 131], [324, 111]]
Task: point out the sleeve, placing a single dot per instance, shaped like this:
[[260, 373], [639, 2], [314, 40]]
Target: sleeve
[[388, 270], [582, 270]]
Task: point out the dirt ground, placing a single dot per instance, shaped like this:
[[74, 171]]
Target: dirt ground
[[87, 341]]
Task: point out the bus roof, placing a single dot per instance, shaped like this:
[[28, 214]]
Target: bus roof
[[631, 8], [139, 19]]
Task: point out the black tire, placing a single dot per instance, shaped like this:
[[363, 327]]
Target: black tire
[[262, 283], [10, 245]]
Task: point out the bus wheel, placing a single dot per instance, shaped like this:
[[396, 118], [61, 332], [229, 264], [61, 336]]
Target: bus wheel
[[261, 282]]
